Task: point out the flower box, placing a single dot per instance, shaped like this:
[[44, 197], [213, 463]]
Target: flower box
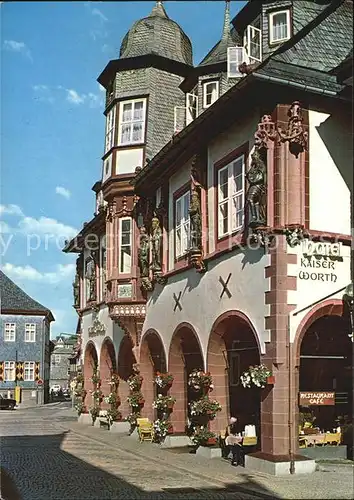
[[211, 441], [271, 380]]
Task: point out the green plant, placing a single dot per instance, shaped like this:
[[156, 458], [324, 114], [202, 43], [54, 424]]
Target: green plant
[[203, 437], [113, 415], [136, 399], [94, 412], [164, 379], [199, 380], [134, 382], [95, 379], [161, 429], [205, 406], [80, 408], [163, 402], [112, 399], [256, 375]]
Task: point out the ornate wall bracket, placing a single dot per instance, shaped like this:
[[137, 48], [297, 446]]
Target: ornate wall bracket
[[294, 234], [97, 328], [195, 256], [159, 278], [131, 319], [262, 236]]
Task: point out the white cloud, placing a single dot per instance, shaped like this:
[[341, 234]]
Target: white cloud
[[63, 192], [11, 210], [98, 13], [20, 47], [4, 228], [75, 97], [29, 273], [43, 93], [46, 226]]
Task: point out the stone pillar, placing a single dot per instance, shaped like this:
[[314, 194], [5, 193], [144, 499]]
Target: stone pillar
[[217, 368], [177, 368], [147, 372]]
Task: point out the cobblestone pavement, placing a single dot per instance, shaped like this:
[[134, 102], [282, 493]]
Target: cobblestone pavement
[[50, 456]]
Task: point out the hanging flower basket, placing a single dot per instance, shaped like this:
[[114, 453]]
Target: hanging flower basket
[[164, 380], [135, 382], [203, 437], [163, 402], [205, 406], [114, 380], [112, 399], [95, 379], [199, 380], [136, 399], [271, 380], [256, 376]]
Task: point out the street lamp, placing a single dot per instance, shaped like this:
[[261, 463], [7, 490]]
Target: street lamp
[[348, 298]]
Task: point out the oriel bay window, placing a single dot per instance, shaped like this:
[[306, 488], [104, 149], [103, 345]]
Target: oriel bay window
[[132, 122], [231, 196], [182, 224], [125, 245]]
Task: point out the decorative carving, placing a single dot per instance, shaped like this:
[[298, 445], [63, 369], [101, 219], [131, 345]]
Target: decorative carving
[[295, 134], [132, 327], [195, 216], [76, 284], [262, 236], [156, 244], [90, 276], [256, 194], [143, 259], [110, 210], [266, 131], [294, 235], [97, 328]]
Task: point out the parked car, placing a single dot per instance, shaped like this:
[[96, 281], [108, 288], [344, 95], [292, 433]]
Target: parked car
[[55, 388], [7, 403]]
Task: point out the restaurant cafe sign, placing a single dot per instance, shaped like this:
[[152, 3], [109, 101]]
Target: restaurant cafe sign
[[317, 398], [319, 261]]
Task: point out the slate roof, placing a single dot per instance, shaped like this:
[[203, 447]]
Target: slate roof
[[322, 44], [157, 34], [218, 54], [14, 299]]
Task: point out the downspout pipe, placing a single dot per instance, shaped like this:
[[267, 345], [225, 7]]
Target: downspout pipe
[[290, 400]]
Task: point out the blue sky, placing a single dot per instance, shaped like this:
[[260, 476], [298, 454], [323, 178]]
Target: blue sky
[[52, 127]]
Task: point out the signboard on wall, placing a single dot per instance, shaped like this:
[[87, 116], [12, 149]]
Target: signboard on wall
[[320, 261], [317, 398]]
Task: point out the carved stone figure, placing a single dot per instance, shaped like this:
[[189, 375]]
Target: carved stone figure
[[156, 243], [76, 290], [195, 215], [295, 134], [257, 178], [143, 253], [90, 276]]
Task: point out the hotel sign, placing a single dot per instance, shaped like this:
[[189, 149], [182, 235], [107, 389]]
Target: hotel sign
[[319, 261], [317, 398]]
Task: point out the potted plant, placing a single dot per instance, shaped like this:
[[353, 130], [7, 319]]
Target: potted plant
[[161, 429], [114, 380], [94, 412], [256, 376], [135, 382], [95, 379], [97, 395], [112, 399], [136, 399], [80, 408], [203, 437], [164, 380], [199, 380], [163, 402], [205, 406]]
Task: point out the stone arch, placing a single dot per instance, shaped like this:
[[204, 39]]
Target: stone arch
[[126, 360], [90, 363], [330, 307], [152, 359], [185, 354], [233, 346], [108, 364]]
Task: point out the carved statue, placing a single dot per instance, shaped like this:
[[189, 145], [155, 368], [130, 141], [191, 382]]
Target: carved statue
[[76, 291], [90, 276], [195, 215], [156, 241], [143, 253], [257, 178]]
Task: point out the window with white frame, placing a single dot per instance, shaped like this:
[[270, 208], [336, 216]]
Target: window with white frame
[[110, 126], [28, 371], [235, 57], [9, 371], [279, 26], [191, 107], [10, 332], [132, 122], [30, 332], [210, 93], [182, 224], [125, 245], [231, 193], [253, 43]]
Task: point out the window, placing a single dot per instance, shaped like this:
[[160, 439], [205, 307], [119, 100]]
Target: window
[[30, 332], [132, 122], [231, 181], [28, 372], [235, 57], [279, 26], [9, 371], [10, 332], [253, 43], [125, 245], [191, 108], [182, 224], [110, 123], [210, 93]]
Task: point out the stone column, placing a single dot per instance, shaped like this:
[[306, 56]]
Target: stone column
[[178, 389]]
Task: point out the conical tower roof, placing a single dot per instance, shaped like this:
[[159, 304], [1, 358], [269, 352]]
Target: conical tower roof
[[157, 34], [228, 39]]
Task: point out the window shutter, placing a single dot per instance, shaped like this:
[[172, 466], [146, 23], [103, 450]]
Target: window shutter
[[179, 118], [1, 371], [254, 43], [19, 370], [36, 370], [191, 107], [235, 57]]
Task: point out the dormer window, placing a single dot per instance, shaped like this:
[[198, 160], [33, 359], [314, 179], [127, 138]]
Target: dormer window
[[279, 26], [235, 57], [253, 43], [210, 93]]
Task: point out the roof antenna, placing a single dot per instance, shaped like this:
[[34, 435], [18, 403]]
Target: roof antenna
[[226, 28]]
